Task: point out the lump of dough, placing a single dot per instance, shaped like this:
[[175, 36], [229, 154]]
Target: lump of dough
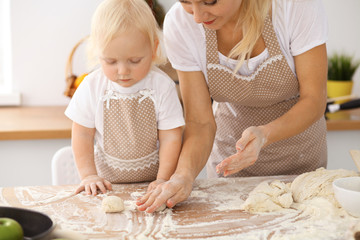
[[268, 197], [161, 208], [112, 204], [318, 184]]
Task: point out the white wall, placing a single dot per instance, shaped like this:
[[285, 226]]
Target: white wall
[[43, 34], [45, 31]]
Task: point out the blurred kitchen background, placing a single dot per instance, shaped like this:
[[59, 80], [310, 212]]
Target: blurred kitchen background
[[42, 34]]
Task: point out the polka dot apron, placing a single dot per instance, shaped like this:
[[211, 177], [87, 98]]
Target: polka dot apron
[[258, 99], [130, 152]]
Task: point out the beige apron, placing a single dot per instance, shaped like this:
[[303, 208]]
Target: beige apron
[[258, 99], [130, 151]]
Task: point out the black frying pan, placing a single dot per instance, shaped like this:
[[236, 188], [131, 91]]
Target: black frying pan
[[36, 225]]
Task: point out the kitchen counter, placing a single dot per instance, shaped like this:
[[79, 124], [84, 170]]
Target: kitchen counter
[[211, 212], [343, 120], [28, 123]]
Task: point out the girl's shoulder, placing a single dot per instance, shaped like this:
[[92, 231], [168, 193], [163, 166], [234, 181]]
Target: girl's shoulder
[[159, 81]]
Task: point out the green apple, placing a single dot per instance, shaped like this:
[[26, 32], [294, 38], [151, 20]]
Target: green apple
[[10, 229]]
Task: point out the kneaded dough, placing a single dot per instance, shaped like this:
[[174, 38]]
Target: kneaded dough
[[268, 197], [308, 186], [111, 204], [161, 208], [318, 184]]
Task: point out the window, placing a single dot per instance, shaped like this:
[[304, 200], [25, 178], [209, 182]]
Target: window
[[7, 96]]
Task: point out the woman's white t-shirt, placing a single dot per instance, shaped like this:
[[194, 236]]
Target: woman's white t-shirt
[[86, 106], [300, 25]]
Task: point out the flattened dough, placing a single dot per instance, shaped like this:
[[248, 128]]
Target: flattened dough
[[111, 204]]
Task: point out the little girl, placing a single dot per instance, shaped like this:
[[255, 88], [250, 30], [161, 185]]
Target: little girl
[[128, 107]]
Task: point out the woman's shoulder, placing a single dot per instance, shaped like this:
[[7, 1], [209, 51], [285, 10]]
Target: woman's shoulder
[[283, 8]]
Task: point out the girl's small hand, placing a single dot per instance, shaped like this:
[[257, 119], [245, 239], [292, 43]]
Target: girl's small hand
[[248, 148], [92, 183]]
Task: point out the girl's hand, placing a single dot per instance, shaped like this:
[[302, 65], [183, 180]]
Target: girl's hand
[[248, 148], [92, 183], [171, 192]]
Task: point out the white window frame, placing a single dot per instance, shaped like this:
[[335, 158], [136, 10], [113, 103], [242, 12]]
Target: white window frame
[[8, 96]]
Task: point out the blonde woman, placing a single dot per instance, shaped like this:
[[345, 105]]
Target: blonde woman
[[264, 64], [128, 107]]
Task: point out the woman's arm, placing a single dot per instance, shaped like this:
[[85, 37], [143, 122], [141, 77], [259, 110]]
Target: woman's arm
[[83, 148], [311, 70], [198, 139]]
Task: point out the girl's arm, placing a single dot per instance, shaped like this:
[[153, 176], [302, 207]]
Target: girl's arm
[[198, 139], [83, 149], [170, 146], [311, 70]]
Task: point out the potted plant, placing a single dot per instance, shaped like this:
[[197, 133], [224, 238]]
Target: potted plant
[[341, 69]]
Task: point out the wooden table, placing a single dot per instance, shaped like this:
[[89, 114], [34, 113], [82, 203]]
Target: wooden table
[[211, 212]]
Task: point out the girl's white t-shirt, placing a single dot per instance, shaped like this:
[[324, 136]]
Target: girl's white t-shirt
[[86, 106], [300, 25]]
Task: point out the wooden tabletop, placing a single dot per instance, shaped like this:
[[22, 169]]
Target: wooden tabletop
[[17, 123], [211, 212], [49, 122]]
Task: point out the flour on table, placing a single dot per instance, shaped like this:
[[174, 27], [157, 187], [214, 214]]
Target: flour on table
[[112, 204]]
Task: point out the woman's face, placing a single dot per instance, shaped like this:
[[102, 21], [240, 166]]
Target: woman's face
[[214, 14]]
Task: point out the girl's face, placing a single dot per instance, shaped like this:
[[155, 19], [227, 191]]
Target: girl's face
[[128, 58], [214, 14]]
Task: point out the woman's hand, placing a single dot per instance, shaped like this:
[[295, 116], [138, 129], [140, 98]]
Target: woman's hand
[[154, 184], [248, 148], [177, 189], [92, 183]]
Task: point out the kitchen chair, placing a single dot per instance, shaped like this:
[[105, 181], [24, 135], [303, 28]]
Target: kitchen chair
[[63, 168]]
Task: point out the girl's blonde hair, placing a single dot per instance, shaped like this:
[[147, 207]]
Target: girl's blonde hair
[[117, 16], [252, 14]]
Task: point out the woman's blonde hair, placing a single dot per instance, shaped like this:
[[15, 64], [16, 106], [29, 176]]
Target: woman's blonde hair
[[117, 16], [252, 14]]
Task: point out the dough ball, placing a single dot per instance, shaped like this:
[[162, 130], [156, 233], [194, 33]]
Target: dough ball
[[112, 204], [161, 208]]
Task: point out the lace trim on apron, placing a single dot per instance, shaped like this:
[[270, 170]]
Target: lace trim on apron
[[131, 164], [252, 76], [110, 94]]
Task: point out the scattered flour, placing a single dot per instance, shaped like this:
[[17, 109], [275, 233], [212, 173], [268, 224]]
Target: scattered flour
[[214, 211]]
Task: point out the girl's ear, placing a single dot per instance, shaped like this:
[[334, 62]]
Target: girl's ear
[[156, 45]]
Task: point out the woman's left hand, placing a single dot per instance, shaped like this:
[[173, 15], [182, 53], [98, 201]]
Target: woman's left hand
[[248, 148]]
